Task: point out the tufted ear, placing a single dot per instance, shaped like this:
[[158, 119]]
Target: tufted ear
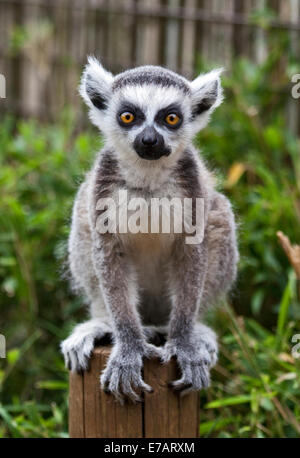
[[207, 94], [95, 86]]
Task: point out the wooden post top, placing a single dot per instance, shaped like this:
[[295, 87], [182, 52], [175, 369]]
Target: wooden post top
[[163, 413], [103, 350]]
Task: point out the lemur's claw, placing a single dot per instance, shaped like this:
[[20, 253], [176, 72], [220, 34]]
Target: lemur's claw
[[195, 358], [122, 376], [180, 385]]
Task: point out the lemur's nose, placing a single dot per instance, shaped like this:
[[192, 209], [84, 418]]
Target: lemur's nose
[[149, 137], [149, 144]]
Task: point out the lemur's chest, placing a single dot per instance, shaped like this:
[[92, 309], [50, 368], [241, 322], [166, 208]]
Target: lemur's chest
[[147, 223]]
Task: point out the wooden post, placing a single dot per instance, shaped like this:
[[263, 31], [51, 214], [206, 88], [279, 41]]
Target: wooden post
[[163, 414]]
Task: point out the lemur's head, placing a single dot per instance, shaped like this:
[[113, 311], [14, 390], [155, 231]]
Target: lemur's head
[[149, 111]]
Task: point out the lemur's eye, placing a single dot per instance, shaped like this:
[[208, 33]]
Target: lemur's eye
[[172, 119], [127, 117]]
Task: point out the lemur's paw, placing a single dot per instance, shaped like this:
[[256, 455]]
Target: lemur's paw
[[206, 337], [77, 354], [194, 360], [78, 347], [122, 376]]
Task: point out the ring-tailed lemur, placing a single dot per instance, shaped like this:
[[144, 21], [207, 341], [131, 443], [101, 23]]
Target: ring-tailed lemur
[[144, 286]]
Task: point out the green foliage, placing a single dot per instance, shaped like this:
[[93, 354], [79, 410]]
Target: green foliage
[[255, 386], [40, 169], [256, 158]]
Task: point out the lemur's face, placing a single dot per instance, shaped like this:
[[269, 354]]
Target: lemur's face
[[149, 121], [149, 113]]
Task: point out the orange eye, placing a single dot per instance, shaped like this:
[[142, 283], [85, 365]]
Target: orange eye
[[172, 119], [127, 117]]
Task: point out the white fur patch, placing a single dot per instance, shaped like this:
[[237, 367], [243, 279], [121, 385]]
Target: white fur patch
[[204, 86], [99, 81]]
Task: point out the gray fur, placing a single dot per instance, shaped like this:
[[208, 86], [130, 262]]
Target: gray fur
[[151, 75], [146, 288]]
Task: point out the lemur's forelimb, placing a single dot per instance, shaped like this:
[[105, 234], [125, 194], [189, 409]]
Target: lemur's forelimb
[[183, 341], [186, 286], [123, 373]]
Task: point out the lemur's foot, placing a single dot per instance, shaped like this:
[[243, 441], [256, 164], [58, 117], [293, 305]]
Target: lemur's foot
[[195, 356], [78, 347], [123, 373]]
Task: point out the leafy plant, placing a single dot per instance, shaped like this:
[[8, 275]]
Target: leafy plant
[[256, 384]]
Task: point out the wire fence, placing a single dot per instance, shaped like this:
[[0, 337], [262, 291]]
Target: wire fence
[[44, 43]]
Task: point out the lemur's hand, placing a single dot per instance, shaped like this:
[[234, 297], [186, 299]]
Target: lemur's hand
[[195, 356], [123, 373]]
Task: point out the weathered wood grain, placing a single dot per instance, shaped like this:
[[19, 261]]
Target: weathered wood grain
[[76, 406], [167, 415], [95, 414]]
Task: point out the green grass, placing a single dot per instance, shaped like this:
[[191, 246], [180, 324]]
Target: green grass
[[41, 167], [255, 386]]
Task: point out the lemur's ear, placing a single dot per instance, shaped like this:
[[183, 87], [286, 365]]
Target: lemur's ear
[[207, 94], [95, 86]]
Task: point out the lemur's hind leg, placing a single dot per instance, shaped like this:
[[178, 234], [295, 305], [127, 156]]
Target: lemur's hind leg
[[207, 340], [78, 347], [222, 252]]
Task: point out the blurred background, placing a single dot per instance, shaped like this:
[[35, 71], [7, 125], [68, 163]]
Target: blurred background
[[252, 144]]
